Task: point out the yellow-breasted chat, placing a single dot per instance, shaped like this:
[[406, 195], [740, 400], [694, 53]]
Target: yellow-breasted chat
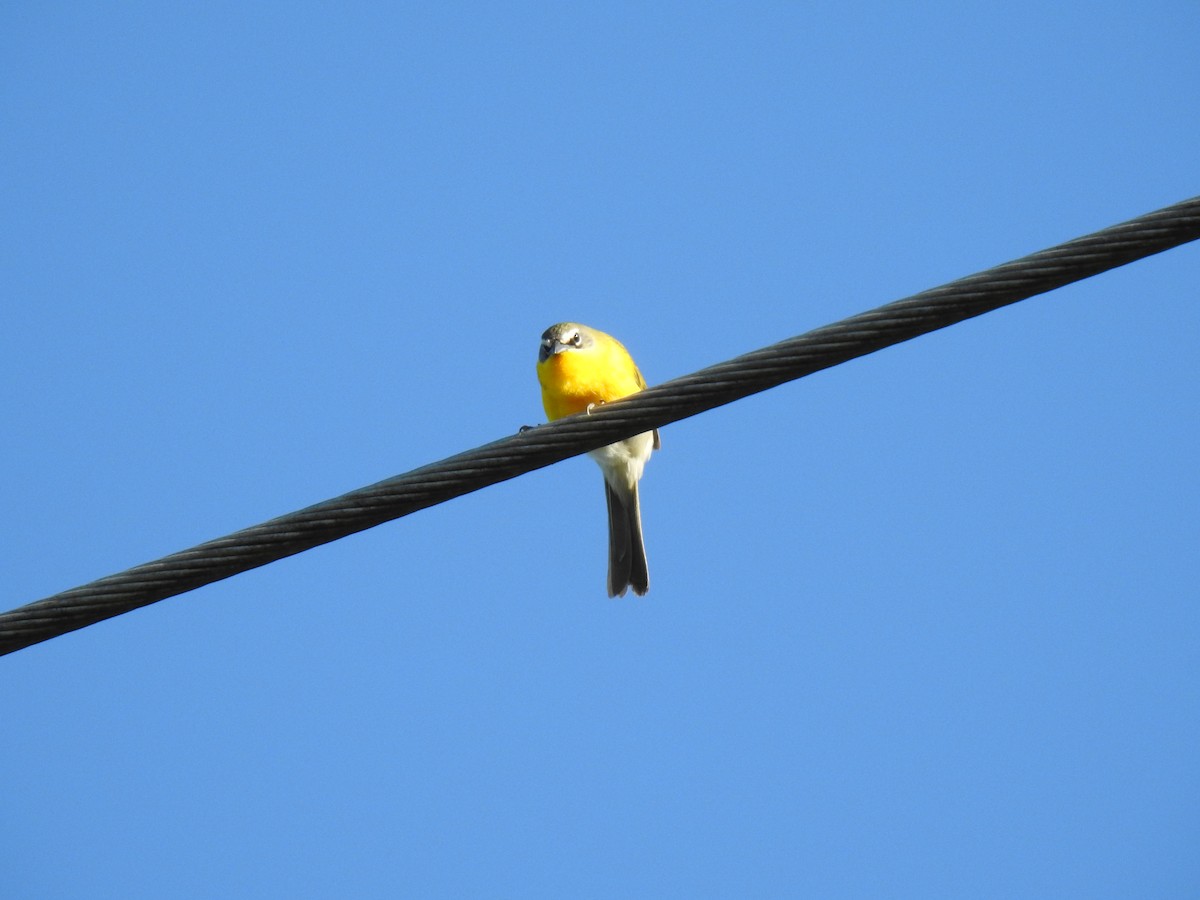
[[578, 368]]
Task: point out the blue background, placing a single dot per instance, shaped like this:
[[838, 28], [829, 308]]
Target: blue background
[[923, 624]]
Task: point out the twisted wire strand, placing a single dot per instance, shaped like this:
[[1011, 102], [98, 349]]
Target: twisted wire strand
[[655, 407]]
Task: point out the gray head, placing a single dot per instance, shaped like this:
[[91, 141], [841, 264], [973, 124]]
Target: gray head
[[564, 336]]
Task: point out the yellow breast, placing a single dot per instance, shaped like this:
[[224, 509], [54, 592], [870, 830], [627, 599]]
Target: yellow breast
[[573, 379]]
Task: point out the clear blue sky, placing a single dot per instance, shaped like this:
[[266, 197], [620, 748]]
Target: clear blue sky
[[925, 624]]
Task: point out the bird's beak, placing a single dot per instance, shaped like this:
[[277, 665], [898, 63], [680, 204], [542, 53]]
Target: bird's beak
[[550, 347]]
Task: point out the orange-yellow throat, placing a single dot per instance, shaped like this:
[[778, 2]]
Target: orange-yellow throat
[[573, 379]]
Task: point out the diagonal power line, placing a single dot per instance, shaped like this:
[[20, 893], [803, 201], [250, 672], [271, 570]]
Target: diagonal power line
[[657, 406]]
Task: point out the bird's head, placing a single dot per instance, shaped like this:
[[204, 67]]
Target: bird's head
[[565, 337]]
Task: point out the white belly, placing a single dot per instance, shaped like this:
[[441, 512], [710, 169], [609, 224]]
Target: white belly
[[624, 461]]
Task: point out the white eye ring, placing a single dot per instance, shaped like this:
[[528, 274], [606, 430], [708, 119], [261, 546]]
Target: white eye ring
[[577, 339]]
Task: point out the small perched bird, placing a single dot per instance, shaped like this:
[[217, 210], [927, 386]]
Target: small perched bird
[[578, 368]]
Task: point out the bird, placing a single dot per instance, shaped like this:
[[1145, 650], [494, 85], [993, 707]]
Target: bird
[[579, 368]]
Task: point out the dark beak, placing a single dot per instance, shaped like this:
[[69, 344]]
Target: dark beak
[[549, 347]]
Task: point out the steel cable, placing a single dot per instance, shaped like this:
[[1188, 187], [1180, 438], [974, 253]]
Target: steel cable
[[657, 406]]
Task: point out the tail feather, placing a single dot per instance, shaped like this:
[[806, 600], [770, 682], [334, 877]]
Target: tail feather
[[639, 571], [626, 548]]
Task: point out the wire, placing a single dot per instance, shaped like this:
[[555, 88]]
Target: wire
[[653, 408]]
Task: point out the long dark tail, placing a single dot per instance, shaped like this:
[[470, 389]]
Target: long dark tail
[[626, 549]]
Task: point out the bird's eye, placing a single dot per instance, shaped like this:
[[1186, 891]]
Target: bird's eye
[[577, 339]]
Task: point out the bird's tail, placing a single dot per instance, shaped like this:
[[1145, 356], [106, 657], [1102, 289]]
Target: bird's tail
[[626, 549]]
